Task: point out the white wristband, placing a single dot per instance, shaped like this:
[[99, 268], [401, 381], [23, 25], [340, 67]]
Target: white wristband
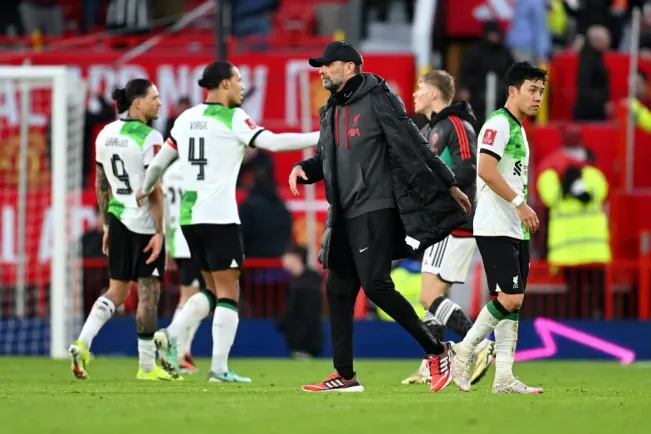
[[517, 201]]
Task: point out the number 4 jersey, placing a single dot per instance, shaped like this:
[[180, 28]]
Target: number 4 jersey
[[124, 148], [210, 139], [503, 137]]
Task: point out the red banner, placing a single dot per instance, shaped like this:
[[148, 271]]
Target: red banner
[[274, 103], [466, 18]]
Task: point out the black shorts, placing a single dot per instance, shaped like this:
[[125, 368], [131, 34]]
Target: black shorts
[[126, 259], [506, 261], [189, 273], [215, 247]]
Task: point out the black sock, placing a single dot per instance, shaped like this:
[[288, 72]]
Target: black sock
[[449, 313], [437, 329]]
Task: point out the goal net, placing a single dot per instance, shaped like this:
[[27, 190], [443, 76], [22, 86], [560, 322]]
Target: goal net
[[42, 112]]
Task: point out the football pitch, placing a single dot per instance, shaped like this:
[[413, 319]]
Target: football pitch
[[38, 395]]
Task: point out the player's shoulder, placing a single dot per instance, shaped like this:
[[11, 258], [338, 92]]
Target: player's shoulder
[[499, 121]]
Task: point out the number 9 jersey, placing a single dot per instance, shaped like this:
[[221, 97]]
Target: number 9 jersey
[[125, 148]]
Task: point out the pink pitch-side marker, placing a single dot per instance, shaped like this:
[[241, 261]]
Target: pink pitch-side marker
[[546, 328]]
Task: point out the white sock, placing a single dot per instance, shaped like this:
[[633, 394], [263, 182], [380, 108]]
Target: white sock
[[486, 322], [506, 339], [224, 328], [189, 337], [146, 354], [181, 339], [195, 309], [102, 310]]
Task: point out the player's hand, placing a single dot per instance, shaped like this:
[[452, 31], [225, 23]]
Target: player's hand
[[461, 199], [105, 243], [293, 176], [155, 245], [140, 196], [528, 217]]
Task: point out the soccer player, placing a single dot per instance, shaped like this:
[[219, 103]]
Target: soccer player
[[209, 139], [502, 224], [178, 253], [133, 235], [451, 134]]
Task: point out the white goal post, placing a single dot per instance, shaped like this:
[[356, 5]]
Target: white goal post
[[51, 94]]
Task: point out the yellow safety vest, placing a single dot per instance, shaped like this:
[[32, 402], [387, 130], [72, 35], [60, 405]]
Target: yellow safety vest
[[557, 18], [408, 284], [642, 115], [578, 232]]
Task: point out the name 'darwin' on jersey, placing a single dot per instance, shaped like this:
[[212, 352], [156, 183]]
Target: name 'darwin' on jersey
[[117, 142]]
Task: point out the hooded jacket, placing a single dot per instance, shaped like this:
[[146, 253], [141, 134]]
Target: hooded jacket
[[452, 135], [381, 146]]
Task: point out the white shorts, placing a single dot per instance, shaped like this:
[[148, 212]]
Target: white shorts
[[450, 259]]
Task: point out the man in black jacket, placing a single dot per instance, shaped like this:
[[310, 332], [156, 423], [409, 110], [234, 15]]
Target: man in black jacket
[[451, 133], [387, 190]]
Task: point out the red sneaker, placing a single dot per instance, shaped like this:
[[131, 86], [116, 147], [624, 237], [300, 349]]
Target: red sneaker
[[439, 368], [335, 383]]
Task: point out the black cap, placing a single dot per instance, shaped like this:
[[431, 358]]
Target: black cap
[[337, 50]]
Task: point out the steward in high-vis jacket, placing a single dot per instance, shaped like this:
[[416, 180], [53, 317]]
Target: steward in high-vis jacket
[[382, 182]]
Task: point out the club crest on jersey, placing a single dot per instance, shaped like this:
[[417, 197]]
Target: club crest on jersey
[[432, 140], [250, 123], [489, 137], [156, 149]]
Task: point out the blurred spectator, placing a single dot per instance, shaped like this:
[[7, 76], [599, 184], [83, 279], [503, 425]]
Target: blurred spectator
[[301, 321], [593, 85], [641, 103], [10, 22], [182, 105], [578, 238], [558, 24], [90, 17], [266, 221], [95, 278], [44, 16], [589, 13], [254, 160], [489, 55], [252, 17], [528, 36], [133, 16]]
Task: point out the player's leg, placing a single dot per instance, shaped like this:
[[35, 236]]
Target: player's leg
[[451, 265], [372, 238], [190, 283], [102, 310], [148, 277], [225, 260], [119, 267], [194, 310], [506, 332]]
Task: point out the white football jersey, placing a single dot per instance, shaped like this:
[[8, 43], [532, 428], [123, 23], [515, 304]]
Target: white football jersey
[[176, 245], [124, 148], [503, 137], [210, 139]]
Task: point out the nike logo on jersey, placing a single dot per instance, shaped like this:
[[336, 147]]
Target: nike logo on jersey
[[363, 250]]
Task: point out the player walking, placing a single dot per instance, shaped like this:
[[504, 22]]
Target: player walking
[[178, 255], [451, 134], [502, 224], [209, 139], [133, 235]]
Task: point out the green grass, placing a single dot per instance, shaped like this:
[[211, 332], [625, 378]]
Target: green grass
[[41, 396]]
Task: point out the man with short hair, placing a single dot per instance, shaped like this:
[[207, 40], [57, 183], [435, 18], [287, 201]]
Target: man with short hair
[[450, 131], [382, 182]]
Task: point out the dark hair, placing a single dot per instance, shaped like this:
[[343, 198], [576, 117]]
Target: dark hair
[[215, 73], [300, 251], [443, 81], [519, 72], [136, 88]]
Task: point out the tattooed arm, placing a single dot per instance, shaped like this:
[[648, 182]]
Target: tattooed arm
[[103, 192], [147, 312]]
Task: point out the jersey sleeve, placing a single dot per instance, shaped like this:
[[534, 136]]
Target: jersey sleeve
[[99, 147], [494, 136], [244, 128], [152, 145]]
